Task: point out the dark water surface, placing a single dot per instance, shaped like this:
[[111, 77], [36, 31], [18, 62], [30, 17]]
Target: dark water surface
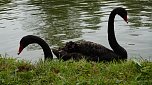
[[59, 21]]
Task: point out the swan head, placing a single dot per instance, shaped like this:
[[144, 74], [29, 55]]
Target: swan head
[[25, 41], [122, 12]]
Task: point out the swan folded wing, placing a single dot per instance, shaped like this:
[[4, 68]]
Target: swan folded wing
[[87, 48], [91, 51]]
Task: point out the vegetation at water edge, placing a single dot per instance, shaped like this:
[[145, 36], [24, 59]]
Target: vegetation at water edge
[[58, 72]]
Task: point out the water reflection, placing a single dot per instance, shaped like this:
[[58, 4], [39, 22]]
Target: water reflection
[[66, 17], [140, 12], [58, 21], [2, 2]]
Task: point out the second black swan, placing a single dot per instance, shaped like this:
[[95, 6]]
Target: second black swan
[[96, 52]]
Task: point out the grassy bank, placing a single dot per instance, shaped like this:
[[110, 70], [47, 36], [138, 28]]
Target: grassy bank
[[70, 73]]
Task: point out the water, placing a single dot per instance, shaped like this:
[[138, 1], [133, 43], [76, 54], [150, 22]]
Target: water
[[59, 21]]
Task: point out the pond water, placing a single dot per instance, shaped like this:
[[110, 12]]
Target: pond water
[[60, 21]]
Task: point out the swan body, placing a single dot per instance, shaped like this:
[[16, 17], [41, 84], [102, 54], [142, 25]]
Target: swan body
[[96, 52]]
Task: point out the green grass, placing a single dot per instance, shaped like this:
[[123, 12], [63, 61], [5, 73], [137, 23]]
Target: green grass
[[17, 72]]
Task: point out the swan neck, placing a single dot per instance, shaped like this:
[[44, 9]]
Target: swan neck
[[112, 39], [111, 33], [46, 49]]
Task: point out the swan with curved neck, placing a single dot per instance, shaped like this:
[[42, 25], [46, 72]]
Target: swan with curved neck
[[97, 52], [30, 39], [111, 34]]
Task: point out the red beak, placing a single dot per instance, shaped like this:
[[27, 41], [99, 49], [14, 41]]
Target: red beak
[[125, 18], [20, 49]]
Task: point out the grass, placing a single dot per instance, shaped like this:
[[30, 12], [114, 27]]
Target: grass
[[55, 72]]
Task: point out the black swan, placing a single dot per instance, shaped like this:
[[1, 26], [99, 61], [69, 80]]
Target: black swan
[[30, 39], [96, 52]]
